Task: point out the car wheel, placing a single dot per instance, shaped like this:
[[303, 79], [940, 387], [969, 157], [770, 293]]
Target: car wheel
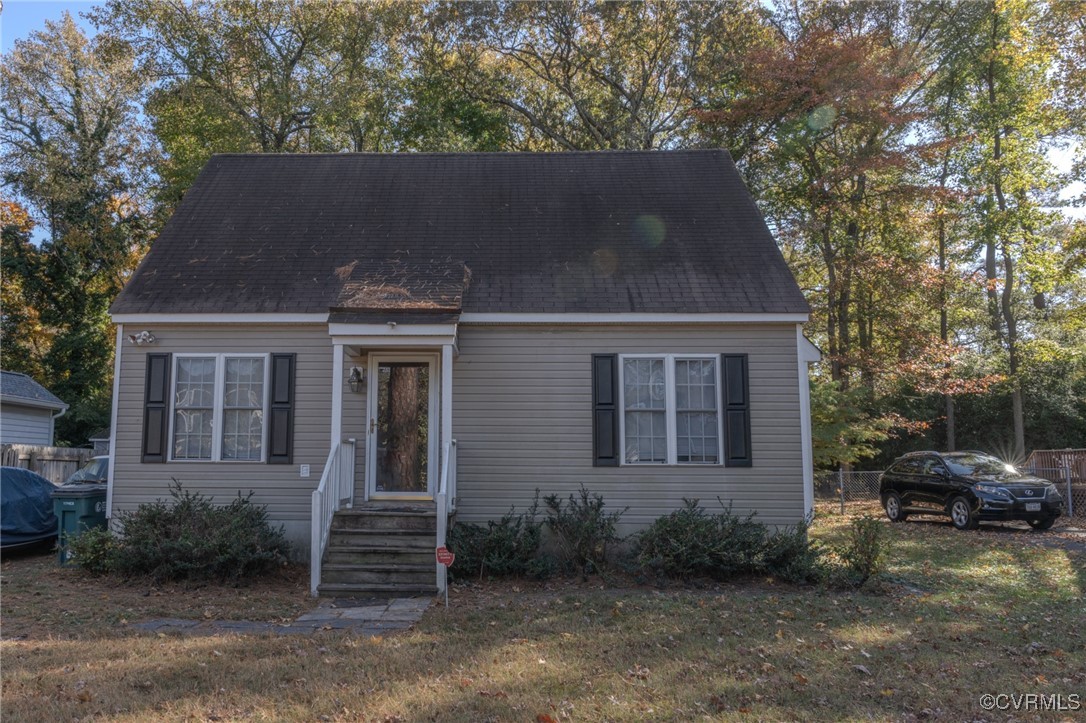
[[1043, 523], [892, 505], [961, 514]]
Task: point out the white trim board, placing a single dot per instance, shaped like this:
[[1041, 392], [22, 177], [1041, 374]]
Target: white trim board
[[472, 318], [271, 318], [632, 318], [113, 420], [36, 403], [392, 330]]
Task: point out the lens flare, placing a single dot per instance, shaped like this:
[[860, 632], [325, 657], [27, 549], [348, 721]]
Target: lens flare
[[649, 230], [605, 261]]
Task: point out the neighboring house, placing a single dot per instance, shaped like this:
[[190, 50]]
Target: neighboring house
[[622, 320], [100, 441], [27, 410]]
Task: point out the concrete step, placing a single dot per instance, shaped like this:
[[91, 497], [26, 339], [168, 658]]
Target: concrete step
[[342, 589], [409, 575], [361, 554]]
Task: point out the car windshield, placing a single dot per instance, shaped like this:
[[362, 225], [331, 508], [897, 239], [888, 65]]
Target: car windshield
[[94, 471], [969, 464]]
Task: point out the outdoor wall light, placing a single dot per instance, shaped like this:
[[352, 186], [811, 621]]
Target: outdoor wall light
[[143, 337], [356, 378]]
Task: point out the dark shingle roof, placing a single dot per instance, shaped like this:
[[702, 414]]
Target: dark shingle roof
[[15, 386], [653, 231]]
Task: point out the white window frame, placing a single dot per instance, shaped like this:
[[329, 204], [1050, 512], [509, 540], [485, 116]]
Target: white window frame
[[217, 408], [670, 409]]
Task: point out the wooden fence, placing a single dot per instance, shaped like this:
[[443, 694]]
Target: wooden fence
[[55, 464]]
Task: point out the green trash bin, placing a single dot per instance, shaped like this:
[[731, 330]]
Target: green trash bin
[[78, 507]]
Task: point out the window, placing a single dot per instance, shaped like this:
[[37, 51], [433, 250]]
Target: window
[[670, 409], [218, 407]]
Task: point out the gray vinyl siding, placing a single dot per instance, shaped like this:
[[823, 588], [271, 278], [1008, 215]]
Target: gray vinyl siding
[[26, 425], [279, 486], [522, 417]]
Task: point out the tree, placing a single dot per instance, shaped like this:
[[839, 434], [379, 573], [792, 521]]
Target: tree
[[76, 156], [1011, 114], [584, 76]]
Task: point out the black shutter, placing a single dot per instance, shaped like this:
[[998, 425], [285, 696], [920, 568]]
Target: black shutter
[[736, 410], [605, 410], [156, 407], [281, 413]]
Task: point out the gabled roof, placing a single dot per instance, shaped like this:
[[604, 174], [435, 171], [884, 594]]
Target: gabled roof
[[618, 231], [18, 388]]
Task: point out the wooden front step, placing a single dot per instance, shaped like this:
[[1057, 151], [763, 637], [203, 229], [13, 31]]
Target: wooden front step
[[361, 554], [383, 549]]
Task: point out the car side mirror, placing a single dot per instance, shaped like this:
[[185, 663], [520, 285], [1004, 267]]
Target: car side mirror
[[942, 471]]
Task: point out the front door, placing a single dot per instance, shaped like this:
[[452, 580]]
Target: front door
[[402, 437]]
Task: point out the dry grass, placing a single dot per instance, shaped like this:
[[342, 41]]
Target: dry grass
[[41, 600], [962, 614]]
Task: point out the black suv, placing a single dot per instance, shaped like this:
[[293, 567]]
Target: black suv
[[969, 487]]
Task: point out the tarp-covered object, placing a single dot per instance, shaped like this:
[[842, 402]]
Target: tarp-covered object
[[26, 507]]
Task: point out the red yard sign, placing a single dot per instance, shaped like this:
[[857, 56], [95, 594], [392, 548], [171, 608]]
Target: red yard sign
[[445, 556]]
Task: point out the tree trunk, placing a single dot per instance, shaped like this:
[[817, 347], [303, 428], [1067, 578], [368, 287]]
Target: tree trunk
[[1011, 321], [403, 428], [944, 326]]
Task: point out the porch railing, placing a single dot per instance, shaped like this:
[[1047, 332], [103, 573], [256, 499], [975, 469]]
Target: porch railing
[[335, 491], [445, 501]]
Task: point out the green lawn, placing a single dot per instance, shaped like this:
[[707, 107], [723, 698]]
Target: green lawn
[[960, 615]]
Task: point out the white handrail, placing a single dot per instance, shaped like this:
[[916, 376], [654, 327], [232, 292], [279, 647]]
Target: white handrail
[[445, 501], [336, 490]]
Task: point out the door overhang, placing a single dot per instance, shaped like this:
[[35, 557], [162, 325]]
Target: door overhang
[[393, 334]]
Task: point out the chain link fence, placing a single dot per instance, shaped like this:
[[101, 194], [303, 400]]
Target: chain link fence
[[852, 488], [1072, 489]]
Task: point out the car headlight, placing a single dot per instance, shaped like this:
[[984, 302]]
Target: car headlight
[[1053, 491], [992, 490]]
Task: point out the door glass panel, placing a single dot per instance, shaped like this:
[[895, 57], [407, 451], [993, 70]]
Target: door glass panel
[[403, 426]]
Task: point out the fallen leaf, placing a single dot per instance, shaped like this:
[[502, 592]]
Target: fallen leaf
[[861, 669]]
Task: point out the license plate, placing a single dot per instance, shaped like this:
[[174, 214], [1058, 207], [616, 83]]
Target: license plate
[[1033, 507]]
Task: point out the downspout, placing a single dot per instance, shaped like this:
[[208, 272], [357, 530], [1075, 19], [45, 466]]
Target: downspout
[[807, 452], [53, 424]]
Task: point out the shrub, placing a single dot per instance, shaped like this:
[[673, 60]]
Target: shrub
[[692, 543], [193, 539], [508, 547], [583, 530], [790, 555], [864, 554], [94, 550]]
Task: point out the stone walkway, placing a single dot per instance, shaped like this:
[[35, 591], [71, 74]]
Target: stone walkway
[[361, 616]]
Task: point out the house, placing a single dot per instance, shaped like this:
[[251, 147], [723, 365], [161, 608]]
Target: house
[[376, 344], [28, 411], [99, 441]]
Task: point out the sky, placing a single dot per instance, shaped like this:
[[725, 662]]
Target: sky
[[19, 18], [22, 17]]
